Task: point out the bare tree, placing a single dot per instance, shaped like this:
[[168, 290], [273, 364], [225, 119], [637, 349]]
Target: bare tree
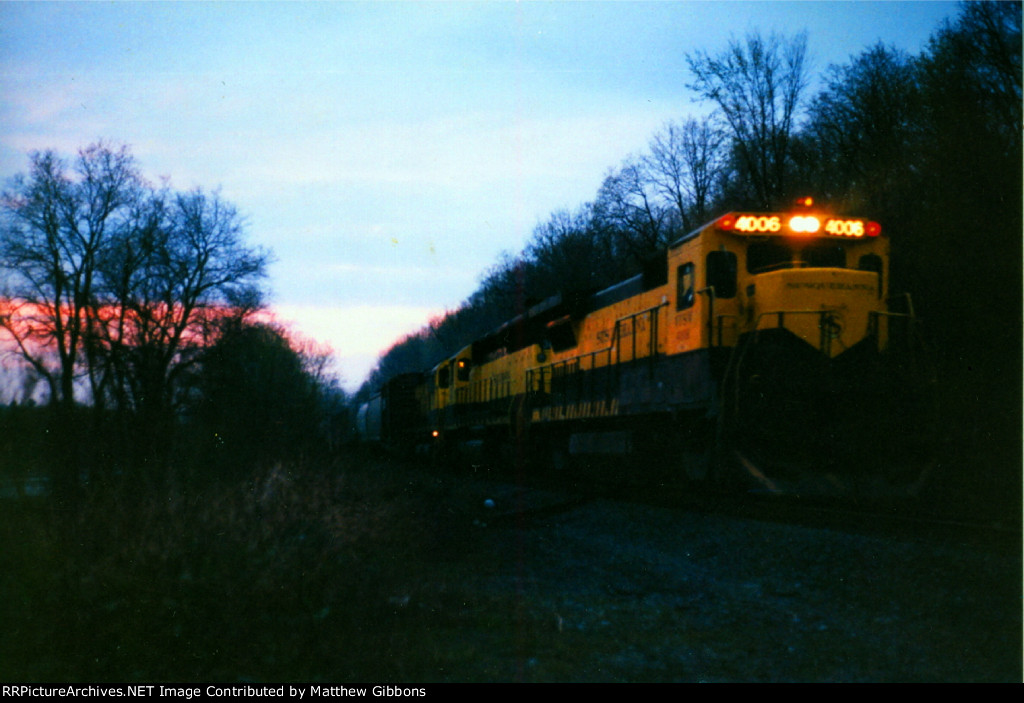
[[988, 38], [685, 163], [109, 280], [628, 203], [118, 269], [568, 254], [757, 86], [57, 223], [862, 128], [167, 286], [503, 286], [56, 226], [973, 65]]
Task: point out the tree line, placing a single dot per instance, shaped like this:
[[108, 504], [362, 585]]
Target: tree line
[[137, 307], [929, 145]]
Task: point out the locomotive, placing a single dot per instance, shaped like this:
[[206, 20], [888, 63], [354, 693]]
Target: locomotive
[[763, 348]]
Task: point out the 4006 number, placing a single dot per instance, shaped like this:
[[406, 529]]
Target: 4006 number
[[845, 228]]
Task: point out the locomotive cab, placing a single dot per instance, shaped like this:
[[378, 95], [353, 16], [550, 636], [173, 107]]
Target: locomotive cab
[[814, 294], [815, 277], [451, 382]]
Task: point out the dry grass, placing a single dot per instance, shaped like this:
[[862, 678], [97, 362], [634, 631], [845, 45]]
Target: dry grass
[[367, 571], [291, 576]]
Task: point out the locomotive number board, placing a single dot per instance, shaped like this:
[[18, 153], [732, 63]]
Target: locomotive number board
[[799, 225]]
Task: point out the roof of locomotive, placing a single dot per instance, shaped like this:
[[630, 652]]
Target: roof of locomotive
[[691, 234]]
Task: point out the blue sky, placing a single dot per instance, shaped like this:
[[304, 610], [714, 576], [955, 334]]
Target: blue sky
[[387, 152]]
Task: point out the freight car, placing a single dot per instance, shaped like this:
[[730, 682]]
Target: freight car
[[763, 346]]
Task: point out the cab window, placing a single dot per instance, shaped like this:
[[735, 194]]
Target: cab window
[[444, 376], [560, 335], [684, 286], [872, 262], [824, 255], [768, 256], [722, 273]]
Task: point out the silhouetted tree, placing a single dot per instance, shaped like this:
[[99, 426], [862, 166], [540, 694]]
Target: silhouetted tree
[[257, 398], [982, 51], [110, 280], [757, 86], [167, 287], [568, 254], [503, 286], [57, 224], [864, 127], [967, 175], [627, 204], [685, 163]]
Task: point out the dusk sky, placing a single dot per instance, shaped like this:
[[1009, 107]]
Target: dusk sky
[[387, 152]]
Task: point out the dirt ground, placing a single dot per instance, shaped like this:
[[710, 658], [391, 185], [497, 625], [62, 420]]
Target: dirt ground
[[601, 590], [380, 573]]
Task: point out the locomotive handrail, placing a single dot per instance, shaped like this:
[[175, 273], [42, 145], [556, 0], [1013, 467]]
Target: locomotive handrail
[[653, 336], [781, 314], [710, 291], [720, 326], [910, 315], [886, 313], [642, 312], [910, 304], [536, 377], [910, 330], [653, 308]]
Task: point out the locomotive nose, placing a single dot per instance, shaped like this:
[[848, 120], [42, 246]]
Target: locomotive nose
[[829, 309]]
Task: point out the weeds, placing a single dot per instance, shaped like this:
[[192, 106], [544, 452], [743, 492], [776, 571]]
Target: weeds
[[292, 575]]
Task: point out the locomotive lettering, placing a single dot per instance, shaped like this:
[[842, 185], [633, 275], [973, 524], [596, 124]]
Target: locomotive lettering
[[830, 285]]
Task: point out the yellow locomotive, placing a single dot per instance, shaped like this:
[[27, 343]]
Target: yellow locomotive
[[759, 343]]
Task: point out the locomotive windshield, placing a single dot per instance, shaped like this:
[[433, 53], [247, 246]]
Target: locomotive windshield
[[774, 254]]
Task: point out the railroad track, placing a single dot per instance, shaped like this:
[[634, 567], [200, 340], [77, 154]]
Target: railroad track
[[529, 498]]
